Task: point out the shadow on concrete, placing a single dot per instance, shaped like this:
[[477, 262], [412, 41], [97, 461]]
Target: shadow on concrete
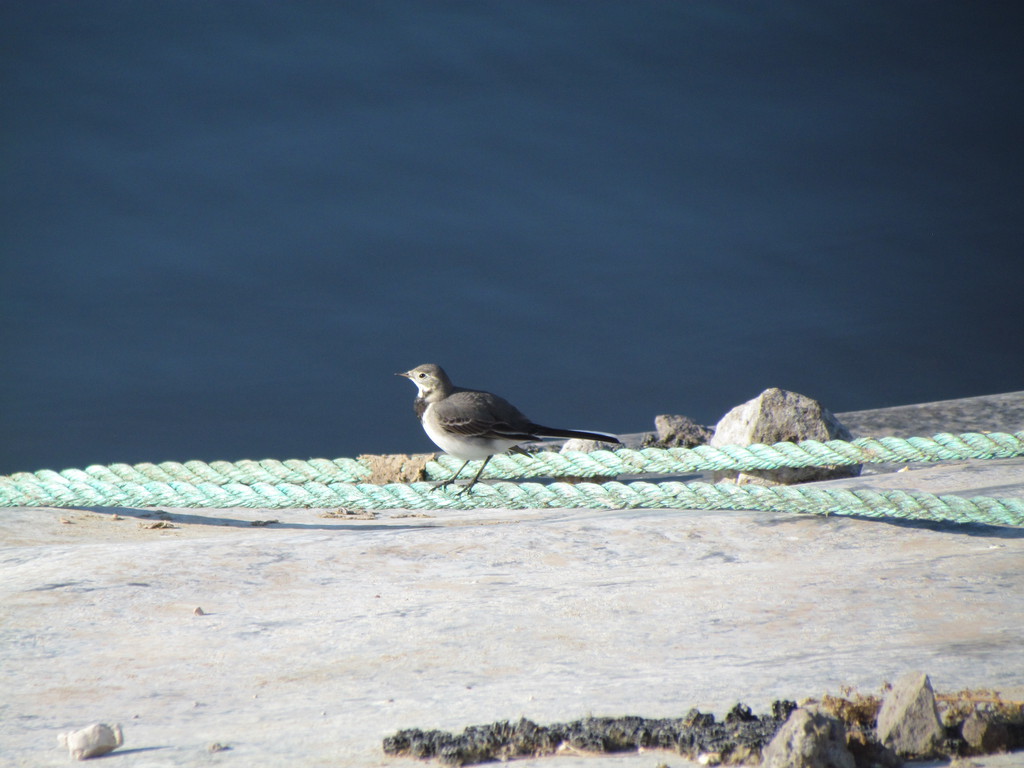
[[266, 520], [124, 752], [981, 530]]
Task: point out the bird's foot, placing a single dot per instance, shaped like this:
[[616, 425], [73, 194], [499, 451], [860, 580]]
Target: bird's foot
[[461, 490], [465, 488]]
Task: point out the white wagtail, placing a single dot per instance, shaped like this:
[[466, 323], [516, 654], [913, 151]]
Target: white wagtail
[[469, 424]]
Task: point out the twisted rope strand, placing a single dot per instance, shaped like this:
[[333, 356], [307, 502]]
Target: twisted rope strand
[[321, 483], [941, 447], [704, 458], [246, 472], [611, 495]]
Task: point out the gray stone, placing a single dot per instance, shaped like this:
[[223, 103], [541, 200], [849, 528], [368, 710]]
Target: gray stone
[[809, 740], [675, 431], [984, 735], [779, 416], [908, 722]]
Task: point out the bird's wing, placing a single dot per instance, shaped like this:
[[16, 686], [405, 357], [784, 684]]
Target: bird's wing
[[481, 414]]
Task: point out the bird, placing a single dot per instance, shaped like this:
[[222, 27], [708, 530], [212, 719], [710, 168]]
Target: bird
[[472, 424]]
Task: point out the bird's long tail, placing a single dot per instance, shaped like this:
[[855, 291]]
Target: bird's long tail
[[601, 437]]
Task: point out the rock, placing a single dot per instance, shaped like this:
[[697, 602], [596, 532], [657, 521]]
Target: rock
[[809, 740], [674, 431], [867, 751], [587, 446], [92, 741], [984, 735], [396, 468], [696, 736], [908, 722], [779, 416]]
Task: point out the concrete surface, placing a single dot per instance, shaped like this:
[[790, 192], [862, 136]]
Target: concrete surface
[[320, 635], [988, 413]]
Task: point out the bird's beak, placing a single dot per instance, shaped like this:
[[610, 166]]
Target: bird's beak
[[406, 374]]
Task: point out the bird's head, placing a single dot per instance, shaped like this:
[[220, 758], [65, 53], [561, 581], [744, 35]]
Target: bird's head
[[429, 379]]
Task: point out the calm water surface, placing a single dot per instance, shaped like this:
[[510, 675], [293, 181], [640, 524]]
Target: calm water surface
[[225, 225]]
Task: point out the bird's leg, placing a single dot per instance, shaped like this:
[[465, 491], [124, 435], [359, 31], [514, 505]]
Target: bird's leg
[[451, 479], [476, 477]]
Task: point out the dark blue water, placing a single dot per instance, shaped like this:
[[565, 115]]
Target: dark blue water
[[225, 225]]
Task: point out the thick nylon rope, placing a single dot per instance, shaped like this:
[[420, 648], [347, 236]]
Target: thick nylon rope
[[704, 458], [320, 483], [612, 495], [673, 461]]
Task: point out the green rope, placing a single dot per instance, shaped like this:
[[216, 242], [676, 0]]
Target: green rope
[[320, 483], [705, 458], [611, 495], [216, 472], [673, 461]]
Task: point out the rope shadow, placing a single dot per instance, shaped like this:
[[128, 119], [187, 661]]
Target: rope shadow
[[354, 522]]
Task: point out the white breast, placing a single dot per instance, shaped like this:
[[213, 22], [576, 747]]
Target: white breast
[[461, 446]]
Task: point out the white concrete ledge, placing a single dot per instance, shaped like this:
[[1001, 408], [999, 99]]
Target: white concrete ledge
[[321, 635]]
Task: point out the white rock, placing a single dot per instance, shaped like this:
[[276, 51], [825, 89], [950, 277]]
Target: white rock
[[587, 446], [92, 741]]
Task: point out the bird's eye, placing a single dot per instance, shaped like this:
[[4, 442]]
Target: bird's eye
[[423, 375]]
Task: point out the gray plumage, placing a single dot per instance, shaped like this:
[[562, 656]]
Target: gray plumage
[[472, 424]]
